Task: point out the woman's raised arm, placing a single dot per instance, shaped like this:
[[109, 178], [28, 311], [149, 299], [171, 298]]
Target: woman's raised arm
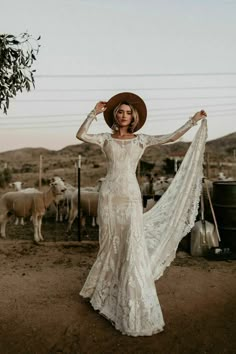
[[167, 138], [82, 132]]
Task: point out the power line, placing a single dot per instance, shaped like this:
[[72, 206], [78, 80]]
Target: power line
[[157, 110], [75, 76], [77, 123], [191, 107], [85, 114], [146, 99], [135, 89]]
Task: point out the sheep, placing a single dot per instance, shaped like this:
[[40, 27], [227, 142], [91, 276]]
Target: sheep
[[154, 188], [17, 186], [221, 177], [160, 186], [95, 188], [88, 205], [25, 204], [64, 202]]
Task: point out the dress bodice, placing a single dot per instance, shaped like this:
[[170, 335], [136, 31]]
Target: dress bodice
[[122, 155]]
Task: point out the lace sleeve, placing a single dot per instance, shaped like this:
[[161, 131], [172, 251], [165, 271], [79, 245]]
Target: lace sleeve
[[167, 138], [89, 138]]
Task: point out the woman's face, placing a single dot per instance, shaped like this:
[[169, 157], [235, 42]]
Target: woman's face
[[124, 115]]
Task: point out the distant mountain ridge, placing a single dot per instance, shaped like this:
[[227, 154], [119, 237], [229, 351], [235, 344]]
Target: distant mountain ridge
[[222, 147]]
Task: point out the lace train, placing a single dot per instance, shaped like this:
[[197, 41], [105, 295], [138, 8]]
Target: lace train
[[174, 215]]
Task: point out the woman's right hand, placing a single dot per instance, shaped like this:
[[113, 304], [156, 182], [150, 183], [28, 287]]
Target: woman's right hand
[[100, 107], [199, 115]]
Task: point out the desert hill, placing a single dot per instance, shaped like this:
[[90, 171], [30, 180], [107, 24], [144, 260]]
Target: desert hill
[[24, 163]]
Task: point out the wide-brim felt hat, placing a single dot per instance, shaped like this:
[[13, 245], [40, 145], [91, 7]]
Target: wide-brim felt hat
[[126, 97]]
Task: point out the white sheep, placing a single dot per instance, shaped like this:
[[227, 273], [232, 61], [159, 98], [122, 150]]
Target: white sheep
[[88, 205], [63, 204], [222, 177], [26, 204], [17, 186]]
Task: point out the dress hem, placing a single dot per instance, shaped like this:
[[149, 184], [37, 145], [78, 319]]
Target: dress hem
[[127, 333]]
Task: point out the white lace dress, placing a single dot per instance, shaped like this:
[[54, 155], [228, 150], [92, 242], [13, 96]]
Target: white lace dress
[[135, 248]]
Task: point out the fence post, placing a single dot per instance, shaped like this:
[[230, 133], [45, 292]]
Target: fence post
[[78, 176], [76, 169], [40, 171]]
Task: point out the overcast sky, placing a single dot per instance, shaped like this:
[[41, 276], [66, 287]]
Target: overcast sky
[[178, 55]]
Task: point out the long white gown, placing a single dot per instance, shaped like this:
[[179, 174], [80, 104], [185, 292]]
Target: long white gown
[[135, 248]]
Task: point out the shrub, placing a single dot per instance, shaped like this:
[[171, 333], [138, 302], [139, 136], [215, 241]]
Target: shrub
[[17, 55], [5, 177]]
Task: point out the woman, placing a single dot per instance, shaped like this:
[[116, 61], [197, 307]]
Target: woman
[[135, 248]]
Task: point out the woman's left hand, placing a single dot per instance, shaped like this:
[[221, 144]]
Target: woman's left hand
[[199, 115]]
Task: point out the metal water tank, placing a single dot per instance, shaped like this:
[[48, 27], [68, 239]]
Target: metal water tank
[[224, 203]]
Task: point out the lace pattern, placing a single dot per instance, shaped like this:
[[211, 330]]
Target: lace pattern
[[174, 215], [135, 249], [167, 138]]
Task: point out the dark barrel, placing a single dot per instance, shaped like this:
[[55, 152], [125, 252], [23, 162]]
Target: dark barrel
[[224, 203]]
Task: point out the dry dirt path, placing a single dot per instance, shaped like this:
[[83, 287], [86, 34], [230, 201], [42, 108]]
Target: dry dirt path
[[41, 311]]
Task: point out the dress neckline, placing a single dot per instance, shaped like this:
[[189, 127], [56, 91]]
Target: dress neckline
[[124, 139]]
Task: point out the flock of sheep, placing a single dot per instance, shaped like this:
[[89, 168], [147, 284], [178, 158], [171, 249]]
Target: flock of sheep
[[30, 202]]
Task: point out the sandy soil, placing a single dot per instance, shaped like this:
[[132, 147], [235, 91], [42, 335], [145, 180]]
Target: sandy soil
[[41, 310]]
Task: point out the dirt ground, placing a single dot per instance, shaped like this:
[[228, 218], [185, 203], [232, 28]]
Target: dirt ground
[[41, 311]]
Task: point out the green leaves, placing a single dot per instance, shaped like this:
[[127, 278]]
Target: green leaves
[[17, 55]]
